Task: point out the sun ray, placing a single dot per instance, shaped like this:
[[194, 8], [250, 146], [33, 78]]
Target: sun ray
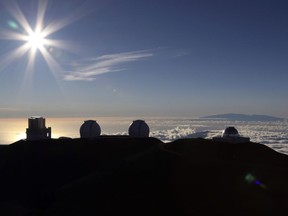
[[60, 24], [12, 35], [62, 44], [55, 26], [27, 84], [30, 64], [40, 15], [51, 62], [13, 55]]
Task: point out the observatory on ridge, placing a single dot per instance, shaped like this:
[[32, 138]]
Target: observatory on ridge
[[90, 129], [139, 128], [230, 134], [36, 129]]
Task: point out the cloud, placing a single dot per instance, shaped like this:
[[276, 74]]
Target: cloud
[[272, 134], [173, 134], [88, 69]]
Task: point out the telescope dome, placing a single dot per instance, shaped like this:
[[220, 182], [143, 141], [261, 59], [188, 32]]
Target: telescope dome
[[90, 129], [139, 128], [230, 132]]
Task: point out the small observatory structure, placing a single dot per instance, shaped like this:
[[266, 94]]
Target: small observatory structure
[[139, 128], [230, 134], [90, 129], [36, 129]]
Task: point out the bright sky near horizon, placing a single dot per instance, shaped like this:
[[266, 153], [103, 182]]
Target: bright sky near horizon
[[143, 57]]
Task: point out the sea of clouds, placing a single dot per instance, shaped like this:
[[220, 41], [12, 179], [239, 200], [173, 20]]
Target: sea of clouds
[[273, 133]]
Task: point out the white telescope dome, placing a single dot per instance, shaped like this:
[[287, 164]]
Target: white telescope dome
[[139, 128], [230, 132]]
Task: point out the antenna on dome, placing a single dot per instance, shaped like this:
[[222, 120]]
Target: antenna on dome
[[139, 128], [90, 129]]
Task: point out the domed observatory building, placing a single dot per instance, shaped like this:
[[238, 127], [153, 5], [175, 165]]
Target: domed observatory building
[[37, 130], [90, 129], [230, 134], [139, 128]]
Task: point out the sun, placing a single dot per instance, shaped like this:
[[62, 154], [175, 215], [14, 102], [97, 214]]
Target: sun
[[36, 40]]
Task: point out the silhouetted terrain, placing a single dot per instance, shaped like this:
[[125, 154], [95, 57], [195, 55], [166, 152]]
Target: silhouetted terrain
[[119, 175], [242, 117]]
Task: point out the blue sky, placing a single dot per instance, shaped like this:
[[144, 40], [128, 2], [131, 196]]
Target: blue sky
[[171, 58]]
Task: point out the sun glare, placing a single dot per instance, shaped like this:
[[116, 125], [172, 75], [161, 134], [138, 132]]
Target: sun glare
[[36, 40]]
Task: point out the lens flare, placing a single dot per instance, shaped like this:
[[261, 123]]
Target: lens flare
[[12, 24], [251, 179]]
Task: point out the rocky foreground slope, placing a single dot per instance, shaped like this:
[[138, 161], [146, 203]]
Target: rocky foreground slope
[[141, 176]]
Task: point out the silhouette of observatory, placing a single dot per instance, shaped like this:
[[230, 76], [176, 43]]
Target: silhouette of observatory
[[37, 130], [230, 134], [90, 129], [139, 128]]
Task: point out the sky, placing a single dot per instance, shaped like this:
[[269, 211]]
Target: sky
[[162, 58]]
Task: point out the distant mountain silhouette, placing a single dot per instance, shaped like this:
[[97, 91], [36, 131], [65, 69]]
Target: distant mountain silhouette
[[243, 117]]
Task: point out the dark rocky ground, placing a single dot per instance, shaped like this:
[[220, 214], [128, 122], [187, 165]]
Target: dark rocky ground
[[141, 176]]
